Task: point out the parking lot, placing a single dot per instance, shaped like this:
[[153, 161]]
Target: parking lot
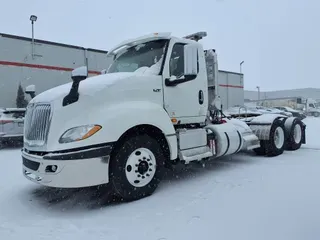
[[238, 197]]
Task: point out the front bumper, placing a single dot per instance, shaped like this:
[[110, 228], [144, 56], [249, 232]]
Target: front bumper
[[73, 169]]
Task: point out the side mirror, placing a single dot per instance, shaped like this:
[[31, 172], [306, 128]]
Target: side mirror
[[191, 59], [190, 66], [79, 74], [31, 90]]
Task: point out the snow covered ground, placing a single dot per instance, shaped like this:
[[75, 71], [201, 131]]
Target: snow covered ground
[[240, 197]]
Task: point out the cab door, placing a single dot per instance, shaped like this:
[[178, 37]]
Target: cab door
[[186, 102]]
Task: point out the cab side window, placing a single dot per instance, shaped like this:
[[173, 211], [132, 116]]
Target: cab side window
[[176, 64]]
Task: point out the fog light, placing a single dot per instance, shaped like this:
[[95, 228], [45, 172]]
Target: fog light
[[51, 168]]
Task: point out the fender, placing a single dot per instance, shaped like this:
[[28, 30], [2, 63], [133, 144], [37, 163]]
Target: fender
[[261, 125], [265, 119], [124, 116], [115, 120]]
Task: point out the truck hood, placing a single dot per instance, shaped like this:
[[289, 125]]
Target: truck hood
[[87, 87]]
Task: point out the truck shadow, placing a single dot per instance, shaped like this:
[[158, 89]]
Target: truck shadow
[[84, 199]]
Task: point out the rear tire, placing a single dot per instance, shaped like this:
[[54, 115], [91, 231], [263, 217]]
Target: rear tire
[[276, 144], [136, 167], [294, 140]]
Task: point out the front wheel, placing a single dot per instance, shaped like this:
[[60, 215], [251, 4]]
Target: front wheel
[[136, 167]]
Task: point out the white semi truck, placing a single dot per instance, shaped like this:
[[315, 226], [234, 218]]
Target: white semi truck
[[312, 107], [148, 111]]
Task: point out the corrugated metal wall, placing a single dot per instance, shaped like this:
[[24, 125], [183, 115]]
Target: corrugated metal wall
[[51, 66], [230, 89]]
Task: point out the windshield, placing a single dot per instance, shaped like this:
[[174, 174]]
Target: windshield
[[145, 55]]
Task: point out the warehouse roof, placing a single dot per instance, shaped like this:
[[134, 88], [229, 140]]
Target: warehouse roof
[[50, 43]]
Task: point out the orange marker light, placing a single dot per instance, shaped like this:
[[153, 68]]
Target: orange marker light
[[174, 120]]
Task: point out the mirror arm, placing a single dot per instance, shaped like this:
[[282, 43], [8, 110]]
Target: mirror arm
[[73, 95], [32, 94], [190, 77], [169, 83], [174, 83], [77, 76]]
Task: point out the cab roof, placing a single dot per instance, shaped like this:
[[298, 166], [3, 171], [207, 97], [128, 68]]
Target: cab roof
[[154, 36]]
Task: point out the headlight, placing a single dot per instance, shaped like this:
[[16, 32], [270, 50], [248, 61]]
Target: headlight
[[79, 133]]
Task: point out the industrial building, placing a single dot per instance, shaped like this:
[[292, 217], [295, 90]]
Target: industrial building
[[48, 64], [313, 93], [44, 64]]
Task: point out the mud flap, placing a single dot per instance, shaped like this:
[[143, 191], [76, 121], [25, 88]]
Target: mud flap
[[304, 126]]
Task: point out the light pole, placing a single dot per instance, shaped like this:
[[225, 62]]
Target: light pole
[[258, 94], [33, 18], [241, 66]]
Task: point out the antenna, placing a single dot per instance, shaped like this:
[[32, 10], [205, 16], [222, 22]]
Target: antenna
[[196, 36]]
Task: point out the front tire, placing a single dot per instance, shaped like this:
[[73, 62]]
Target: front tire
[[136, 167]]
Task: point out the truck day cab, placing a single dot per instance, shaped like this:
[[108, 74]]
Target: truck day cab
[[149, 110]]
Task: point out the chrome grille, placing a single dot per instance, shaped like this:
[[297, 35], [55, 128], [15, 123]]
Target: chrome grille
[[37, 123]]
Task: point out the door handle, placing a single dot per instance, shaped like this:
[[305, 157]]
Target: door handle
[[200, 97]]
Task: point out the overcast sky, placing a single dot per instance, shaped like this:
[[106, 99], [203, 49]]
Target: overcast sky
[[279, 40]]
